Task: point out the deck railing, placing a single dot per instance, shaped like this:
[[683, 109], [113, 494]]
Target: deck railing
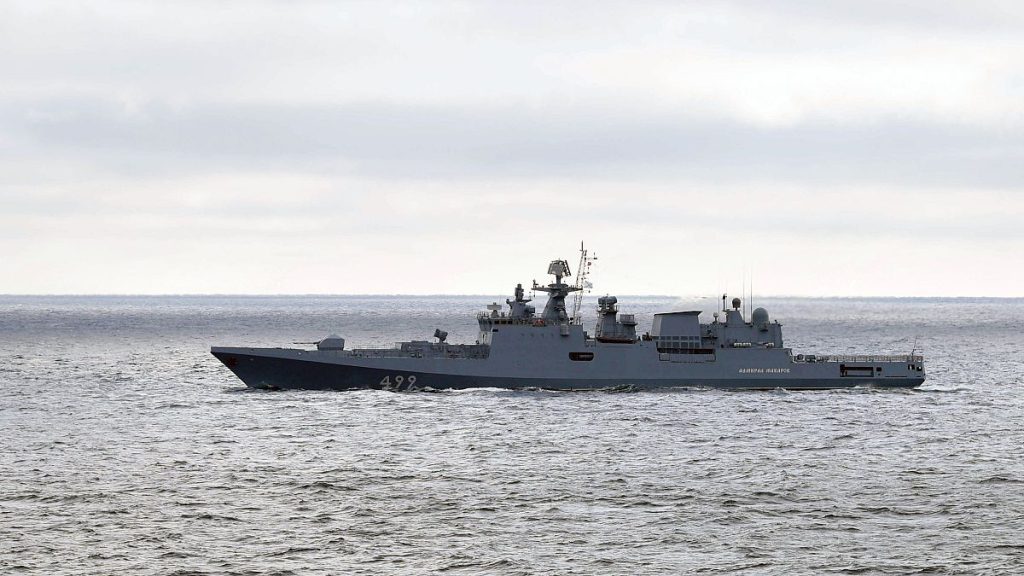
[[534, 321], [446, 351], [391, 352], [908, 358]]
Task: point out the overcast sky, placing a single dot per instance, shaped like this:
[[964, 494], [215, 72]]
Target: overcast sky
[[824, 148]]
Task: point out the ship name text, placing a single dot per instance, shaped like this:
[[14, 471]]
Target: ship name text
[[764, 370]]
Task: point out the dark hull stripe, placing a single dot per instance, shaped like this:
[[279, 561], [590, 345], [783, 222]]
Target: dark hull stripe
[[284, 373]]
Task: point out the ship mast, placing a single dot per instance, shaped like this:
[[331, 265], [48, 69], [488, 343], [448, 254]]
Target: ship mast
[[581, 285]]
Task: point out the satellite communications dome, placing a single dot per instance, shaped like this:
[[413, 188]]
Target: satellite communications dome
[[759, 316]]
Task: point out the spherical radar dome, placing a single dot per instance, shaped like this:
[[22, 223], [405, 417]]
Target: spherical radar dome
[[759, 316]]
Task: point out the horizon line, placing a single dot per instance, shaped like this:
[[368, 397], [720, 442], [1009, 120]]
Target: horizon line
[[439, 294]]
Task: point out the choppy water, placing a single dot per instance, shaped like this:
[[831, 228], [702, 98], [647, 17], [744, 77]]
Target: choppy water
[[127, 449]]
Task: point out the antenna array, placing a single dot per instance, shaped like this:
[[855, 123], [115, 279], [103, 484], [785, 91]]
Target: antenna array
[[581, 285]]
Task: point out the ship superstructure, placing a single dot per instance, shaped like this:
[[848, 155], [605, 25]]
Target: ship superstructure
[[517, 347]]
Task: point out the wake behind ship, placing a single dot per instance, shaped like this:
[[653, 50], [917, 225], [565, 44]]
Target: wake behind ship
[[519, 348]]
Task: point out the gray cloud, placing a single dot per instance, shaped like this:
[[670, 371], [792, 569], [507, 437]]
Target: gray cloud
[[137, 134], [381, 141], [985, 16]]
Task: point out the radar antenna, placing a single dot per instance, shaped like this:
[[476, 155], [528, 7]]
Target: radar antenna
[[582, 272]]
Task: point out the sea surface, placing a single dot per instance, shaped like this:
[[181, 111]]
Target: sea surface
[[126, 448]]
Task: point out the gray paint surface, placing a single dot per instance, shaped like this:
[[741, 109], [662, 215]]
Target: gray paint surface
[[520, 349]]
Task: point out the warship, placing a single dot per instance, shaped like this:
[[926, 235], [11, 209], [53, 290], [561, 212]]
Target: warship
[[520, 348]]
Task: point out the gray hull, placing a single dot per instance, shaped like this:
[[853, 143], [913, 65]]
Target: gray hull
[[311, 370]]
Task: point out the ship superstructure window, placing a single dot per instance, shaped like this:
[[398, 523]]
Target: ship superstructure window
[[581, 356]]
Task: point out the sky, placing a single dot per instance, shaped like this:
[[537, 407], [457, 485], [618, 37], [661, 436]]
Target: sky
[[861, 148]]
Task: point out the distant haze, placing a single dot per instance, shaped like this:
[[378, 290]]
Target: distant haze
[[828, 148]]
